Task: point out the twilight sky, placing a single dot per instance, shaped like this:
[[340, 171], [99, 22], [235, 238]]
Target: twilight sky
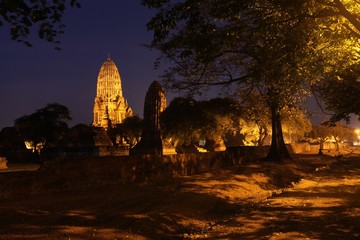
[[33, 77]]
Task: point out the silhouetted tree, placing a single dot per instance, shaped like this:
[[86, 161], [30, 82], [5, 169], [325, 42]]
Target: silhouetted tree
[[21, 16], [81, 135], [186, 121], [182, 121], [9, 138], [341, 94], [47, 125], [130, 130]]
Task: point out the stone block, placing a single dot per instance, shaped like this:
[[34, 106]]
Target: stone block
[[3, 163]]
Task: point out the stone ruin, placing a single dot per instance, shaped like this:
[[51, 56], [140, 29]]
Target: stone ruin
[[3, 162], [155, 103]]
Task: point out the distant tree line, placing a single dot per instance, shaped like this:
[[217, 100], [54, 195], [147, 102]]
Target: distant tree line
[[185, 123], [48, 127], [219, 121]]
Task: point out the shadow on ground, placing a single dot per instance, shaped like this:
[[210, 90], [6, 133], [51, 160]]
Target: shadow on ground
[[309, 197]]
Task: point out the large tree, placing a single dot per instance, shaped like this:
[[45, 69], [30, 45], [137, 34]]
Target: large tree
[[23, 16], [259, 44], [273, 47]]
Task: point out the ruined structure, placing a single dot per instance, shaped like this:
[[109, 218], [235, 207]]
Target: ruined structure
[[155, 103], [3, 163], [110, 106]]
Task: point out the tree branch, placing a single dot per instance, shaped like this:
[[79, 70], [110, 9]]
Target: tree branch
[[348, 15]]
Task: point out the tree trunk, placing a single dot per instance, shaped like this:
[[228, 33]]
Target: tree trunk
[[278, 150]]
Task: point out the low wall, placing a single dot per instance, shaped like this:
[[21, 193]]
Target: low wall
[[81, 172], [135, 168], [50, 153], [314, 148]]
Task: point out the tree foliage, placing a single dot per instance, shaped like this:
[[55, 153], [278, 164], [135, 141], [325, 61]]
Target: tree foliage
[[256, 118], [21, 16], [273, 47], [9, 138], [255, 123], [186, 121], [48, 124], [341, 94], [130, 130], [80, 135], [336, 41], [332, 133], [336, 15], [295, 121]]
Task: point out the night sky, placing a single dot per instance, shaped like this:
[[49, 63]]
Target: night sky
[[32, 77]]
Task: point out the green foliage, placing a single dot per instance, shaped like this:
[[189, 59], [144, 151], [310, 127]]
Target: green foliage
[[49, 123], [22, 16]]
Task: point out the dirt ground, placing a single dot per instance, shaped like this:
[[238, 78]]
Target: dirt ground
[[308, 197]]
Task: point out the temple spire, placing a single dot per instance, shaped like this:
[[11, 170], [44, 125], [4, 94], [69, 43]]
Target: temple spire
[[109, 101]]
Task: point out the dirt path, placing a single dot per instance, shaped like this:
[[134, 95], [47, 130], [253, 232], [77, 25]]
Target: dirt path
[[245, 203], [325, 205]]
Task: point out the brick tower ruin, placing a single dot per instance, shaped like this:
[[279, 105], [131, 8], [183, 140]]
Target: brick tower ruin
[[155, 103]]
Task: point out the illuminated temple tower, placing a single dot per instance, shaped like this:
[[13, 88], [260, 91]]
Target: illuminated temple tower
[[110, 106]]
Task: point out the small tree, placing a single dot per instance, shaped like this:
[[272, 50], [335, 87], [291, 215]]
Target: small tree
[[130, 130], [256, 117], [47, 125], [183, 121], [81, 135]]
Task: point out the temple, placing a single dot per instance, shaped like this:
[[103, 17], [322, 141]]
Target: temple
[[110, 107]]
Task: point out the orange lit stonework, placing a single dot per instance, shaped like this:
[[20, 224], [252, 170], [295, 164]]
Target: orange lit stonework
[[110, 106]]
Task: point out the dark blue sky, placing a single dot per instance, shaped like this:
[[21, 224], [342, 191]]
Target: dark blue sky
[[32, 77]]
